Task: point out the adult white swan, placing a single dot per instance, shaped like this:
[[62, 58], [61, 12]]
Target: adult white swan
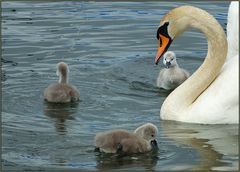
[[210, 95]]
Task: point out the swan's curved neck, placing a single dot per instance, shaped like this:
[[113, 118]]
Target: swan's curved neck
[[185, 95]]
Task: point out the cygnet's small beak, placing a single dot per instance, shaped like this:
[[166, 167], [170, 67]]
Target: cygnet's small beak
[[154, 144], [168, 64]]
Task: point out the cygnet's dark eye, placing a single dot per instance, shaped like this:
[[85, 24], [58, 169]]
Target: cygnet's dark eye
[[152, 135]]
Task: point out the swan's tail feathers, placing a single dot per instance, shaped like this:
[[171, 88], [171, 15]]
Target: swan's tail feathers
[[232, 29]]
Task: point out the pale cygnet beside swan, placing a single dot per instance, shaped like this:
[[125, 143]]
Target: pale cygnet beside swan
[[172, 76], [61, 92], [116, 141], [211, 94]]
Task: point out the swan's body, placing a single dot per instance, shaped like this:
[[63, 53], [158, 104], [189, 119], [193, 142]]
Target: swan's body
[[61, 92], [116, 141], [233, 30], [172, 76], [210, 95]]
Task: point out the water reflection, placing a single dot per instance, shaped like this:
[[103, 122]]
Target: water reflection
[[146, 161], [209, 141], [147, 87], [60, 113]]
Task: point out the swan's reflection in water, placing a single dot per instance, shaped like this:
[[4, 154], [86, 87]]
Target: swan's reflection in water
[[212, 142], [60, 113]]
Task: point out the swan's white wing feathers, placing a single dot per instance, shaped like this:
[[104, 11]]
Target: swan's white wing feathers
[[233, 29], [221, 94]]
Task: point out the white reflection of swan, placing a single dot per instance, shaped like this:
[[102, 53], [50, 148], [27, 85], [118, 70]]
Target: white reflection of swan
[[212, 142]]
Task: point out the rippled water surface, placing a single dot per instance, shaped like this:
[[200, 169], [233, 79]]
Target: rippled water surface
[[110, 49]]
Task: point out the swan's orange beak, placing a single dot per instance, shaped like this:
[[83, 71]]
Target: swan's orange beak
[[162, 48]]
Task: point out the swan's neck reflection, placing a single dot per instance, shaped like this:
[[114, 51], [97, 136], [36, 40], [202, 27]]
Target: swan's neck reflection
[[211, 142]]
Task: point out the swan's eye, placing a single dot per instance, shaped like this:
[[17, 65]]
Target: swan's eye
[[162, 30], [152, 135]]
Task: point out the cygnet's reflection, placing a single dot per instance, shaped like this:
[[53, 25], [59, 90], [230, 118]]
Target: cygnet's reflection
[[140, 161], [60, 113]]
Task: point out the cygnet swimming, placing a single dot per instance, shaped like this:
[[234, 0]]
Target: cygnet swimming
[[61, 92], [143, 139], [172, 76]]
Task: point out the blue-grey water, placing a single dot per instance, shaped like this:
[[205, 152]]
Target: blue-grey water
[[110, 48]]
